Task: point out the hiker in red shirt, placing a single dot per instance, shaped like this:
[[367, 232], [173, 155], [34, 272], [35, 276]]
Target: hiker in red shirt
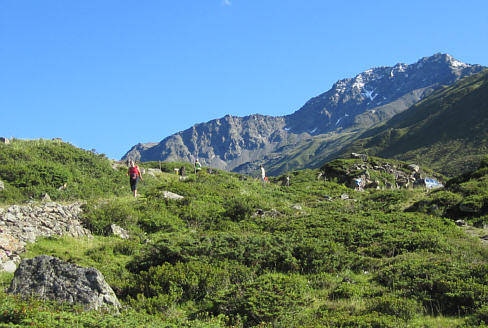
[[134, 174]]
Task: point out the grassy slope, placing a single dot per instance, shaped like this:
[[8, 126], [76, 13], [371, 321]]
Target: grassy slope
[[469, 191], [236, 253], [31, 168]]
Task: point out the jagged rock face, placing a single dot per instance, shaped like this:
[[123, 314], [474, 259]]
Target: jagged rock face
[[360, 175], [51, 278], [223, 143], [10, 247], [371, 90], [28, 222], [351, 105], [23, 224]]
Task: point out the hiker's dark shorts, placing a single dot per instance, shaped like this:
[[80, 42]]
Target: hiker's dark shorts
[[133, 183]]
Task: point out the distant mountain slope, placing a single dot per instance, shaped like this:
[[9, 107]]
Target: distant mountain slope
[[373, 91], [448, 131], [221, 143], [322, 126]]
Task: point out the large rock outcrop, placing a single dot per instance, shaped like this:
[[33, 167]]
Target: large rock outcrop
[[364, 172], [51, 278], [23, 224]]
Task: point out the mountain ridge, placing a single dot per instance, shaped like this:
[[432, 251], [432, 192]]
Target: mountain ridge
[[449, 127], [351, 106]]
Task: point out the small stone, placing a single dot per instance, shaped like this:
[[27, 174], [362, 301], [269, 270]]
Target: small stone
[[414, 168], [171, 195], [119, 231], [8, 266], [461, 223]]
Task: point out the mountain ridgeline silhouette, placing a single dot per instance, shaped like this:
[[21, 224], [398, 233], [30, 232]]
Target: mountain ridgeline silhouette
[[318, 130]]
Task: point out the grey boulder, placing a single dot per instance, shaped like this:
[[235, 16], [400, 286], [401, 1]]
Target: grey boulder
[[51, 278]]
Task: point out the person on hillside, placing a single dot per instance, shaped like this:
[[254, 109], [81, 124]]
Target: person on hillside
[[182, 172], [134, 175], [198, 166], [263, 175]]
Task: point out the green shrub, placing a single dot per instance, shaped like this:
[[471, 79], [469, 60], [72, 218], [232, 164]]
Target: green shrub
[[213, 260], [314, 255], [387, 201], [475, 202], [480, 316], [204, 214], [183, 281], [126, 247], [480, 222], [152, 220], [396, 306], [442, 284], [326, 317], [259, 251], [266, 298], [440, 203], [484, 162], [349, 288], [445, 198], [271, 295], [239, 208], [473, 186], [323, 280], [159, 303], [33, 168], [98, 217], [13, 311]]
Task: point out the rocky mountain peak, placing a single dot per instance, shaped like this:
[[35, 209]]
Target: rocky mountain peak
[[442, 59], [351, 105], [375, 87]]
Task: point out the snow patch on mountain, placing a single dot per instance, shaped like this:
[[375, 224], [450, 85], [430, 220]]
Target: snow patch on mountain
[[457, 64], [341, 118], [358, 83], [369, 94]]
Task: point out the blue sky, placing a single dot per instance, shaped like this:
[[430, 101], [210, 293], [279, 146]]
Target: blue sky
[[108, 74]]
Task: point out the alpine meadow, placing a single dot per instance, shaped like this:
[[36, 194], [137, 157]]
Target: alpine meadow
[[307, 251]]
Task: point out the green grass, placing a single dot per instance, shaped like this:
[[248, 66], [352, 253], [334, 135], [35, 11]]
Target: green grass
[[235, 253], [110, 255], [30, 169]]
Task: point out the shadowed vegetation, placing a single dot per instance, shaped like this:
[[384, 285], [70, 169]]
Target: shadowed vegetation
[[235, 253]]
